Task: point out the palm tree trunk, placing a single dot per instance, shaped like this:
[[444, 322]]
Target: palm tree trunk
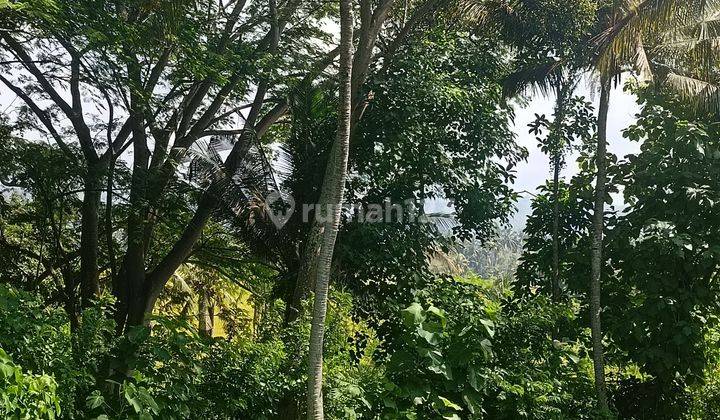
[[555, 229], [205, 319], [330, 201], [597, 246], [564, 90]]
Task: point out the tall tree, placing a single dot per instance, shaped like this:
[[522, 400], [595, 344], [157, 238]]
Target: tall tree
[[625, 29], [573, 125], [372, 21], [549, 40], [557, 157], [554, 145], [331, 207], [597, 243], [151, 80]]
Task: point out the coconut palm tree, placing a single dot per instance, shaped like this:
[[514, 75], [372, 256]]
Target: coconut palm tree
[[330, 202], [685, 60], [628, 26], [550, 56], [506, 14]]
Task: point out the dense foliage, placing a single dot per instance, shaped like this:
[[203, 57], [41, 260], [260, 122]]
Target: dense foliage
[[162, 242]]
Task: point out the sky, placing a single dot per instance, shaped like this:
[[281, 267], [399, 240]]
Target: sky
[[536, 170]]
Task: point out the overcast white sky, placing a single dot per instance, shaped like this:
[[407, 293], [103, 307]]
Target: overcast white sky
[[536, 170]]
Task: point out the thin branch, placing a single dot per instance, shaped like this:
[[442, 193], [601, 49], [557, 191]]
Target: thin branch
[[41, 114]]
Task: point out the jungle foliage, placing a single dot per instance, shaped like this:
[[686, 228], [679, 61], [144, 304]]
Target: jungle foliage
[[158, 259]]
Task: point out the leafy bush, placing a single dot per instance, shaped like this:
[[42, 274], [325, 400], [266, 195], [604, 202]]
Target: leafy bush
[[463, 357], [190, 376], [24, 395], [39, 337], [538, 374], [706, 397], [462, 349]]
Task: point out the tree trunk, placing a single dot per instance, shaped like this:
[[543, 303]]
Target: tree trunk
[[89, 274], [157, 279], [132, 279], [306, 276], [108, 216], [69, 275], [597, 246], [555, 229], [564, 90], [205, 320], [330, 201]]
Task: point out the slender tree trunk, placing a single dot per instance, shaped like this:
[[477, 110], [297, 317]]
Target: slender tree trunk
[[306, 277], [205, 321], [564, 90], [89, 274], [108, 217], [597, 246], [330, 201], [556, 229], [68, 274]]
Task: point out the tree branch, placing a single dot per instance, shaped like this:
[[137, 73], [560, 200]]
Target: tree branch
[[41, 114], [77, 120]]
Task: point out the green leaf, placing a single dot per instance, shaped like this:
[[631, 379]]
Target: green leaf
[[413, 315], [472, 378], [449, 404], [94, 400], [4, 358], [486, 347], [489, 327]]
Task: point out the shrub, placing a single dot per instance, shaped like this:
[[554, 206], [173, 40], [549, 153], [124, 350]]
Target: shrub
[[25, 395]]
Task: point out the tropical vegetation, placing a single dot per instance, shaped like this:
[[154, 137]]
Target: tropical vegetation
[[305, 209]]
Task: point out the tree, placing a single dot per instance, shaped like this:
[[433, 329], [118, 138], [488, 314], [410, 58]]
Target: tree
[[393, 139], [371, 23], [573, 122], [549, 41], [663, 251], [331, 199], [575, 222], [597, 243], [158, 78], [626, 25]]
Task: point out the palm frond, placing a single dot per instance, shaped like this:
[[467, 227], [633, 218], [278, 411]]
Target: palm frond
[[632, 20], [688, 55], [443, 222], [252, 179], [702, 94], [540, 78], [697, 44], [492, 13], [689, 46], [642, 62], [705, 28]]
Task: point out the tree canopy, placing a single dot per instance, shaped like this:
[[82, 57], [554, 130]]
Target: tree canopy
[[286, 209]]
